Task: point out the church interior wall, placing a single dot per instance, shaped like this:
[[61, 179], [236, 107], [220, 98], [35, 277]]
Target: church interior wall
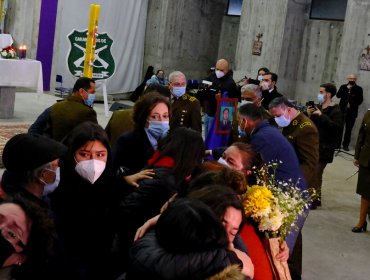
[[183, 35]]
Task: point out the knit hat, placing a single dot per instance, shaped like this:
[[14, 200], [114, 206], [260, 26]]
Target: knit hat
[[25, 152]]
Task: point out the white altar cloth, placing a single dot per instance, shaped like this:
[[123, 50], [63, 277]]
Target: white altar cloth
[[21, 73]]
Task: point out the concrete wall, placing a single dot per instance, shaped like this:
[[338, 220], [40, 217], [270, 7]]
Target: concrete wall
[[262, 16], [356, 36], [229, 39], [318, 57], [183, 35], [22, 22]]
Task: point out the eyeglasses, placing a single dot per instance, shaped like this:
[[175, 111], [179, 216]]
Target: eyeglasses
[[12, 237]]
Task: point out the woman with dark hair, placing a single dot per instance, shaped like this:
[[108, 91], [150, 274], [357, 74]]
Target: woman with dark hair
[[85, 200], [178, 155], [189, 242], [134, 148], [262, 71], [26, 238]]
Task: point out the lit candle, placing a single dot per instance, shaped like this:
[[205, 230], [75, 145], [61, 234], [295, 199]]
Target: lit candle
[[22, 51]]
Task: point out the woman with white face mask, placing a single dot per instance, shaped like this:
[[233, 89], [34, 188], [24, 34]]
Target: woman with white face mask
[[83, 202]]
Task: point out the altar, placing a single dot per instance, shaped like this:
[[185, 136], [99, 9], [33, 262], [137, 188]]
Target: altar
[[14, 73]]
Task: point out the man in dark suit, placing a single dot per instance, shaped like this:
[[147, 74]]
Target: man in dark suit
[[269, 91], [225, 123], [351, 96]]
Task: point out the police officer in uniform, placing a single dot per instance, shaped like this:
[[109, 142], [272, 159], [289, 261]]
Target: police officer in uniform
[[185, 109], [302, 133]]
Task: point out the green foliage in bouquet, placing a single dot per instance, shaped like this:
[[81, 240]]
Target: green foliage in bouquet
[[276, 205]]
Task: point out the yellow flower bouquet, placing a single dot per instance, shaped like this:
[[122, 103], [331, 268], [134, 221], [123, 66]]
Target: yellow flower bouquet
[[275, 206]]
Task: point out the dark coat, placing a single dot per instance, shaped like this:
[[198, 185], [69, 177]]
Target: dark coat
[[185, 112], [353, 96], [329, 125], [142, 204], [150, 261], [224, 84], [85, 221], [362, 151], [67, 114], [269, 96], [132, 151]]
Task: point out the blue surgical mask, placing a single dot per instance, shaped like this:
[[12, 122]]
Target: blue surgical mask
[[49, 188], [320, 98], [282, 121], [241, 131], [260, 77], [178, 91], [90, 99], [158, 129]]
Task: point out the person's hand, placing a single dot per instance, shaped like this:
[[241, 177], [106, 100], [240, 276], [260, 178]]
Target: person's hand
[[283, 255], [356, 163], [310, 110], [248, 267], [134, 179], [145, 227], [316, 111]]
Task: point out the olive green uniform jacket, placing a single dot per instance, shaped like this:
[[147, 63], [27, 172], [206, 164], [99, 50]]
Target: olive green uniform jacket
[[120, 122], [186, 112], [66, 115], [304, 136]]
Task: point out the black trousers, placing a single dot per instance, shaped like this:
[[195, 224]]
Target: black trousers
[[350, 122], [295, 259]]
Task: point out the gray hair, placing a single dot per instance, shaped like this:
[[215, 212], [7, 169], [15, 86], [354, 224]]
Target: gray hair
[[175, 74], [256, 89]]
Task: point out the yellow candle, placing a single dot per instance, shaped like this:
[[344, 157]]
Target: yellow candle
[[91, 40]]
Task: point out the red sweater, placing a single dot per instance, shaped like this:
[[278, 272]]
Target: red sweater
[[257, 253]]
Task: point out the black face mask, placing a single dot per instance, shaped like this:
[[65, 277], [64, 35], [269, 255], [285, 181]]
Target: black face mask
[[6, 250], [351, 83]]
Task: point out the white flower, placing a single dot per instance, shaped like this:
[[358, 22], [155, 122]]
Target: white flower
[[4, 53]]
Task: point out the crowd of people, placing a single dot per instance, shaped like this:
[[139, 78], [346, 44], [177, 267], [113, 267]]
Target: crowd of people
[[149, 196]]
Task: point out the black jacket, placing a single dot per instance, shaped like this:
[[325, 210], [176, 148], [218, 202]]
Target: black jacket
[[353, 96], [329, 125], [150, 261], [132, 151], [269, 96], [224, 84], [142, 204]]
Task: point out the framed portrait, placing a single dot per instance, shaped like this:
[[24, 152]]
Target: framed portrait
[[225, 114]]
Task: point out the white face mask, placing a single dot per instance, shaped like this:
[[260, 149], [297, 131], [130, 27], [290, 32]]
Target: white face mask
[[49, 188], [246, 102], [219, 74], [282, 121], [90, 169], [223, 161], [260, 77], [265, 85]]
